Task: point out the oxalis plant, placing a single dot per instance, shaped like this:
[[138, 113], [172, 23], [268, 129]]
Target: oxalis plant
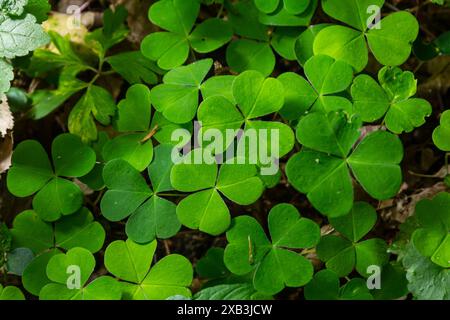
[[247, 149]]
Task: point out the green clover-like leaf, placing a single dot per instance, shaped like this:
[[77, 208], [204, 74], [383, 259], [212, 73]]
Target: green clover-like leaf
[[7, 75], [325, 286], [322, 168], [11, 293], [32, 172], [171, 48], [303, 46], [77, 262], [327, 78], [441, 135], [130, 262], [177, 98], [391, 100], [133, 118], [344, 253], [287, 12], [205, 209], [128, 194], [432, 239], [390, 40], [255, 96], [76, 230], [46, 240], [275, 266]]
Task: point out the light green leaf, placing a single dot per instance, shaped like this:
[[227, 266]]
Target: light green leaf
[[34, 276], [172, 275], [369, 99], [210, 35], [283, 41], [275, 266], [128, 260], [59, 270], [244, 54], [204, 210], [366, 160], [347, 45], [256, 95], [177, 16], [299, 96], [432, 239], [134, 112], [6, 76], [20, 36], [391, 44], [11, 293], [156, 218], [127, 190], [177, 98], [71, 157], [131, 148], [441, 135], [352, 12], [219, 86], [304, 43], [76, 230], [67, 199], [170, 50]]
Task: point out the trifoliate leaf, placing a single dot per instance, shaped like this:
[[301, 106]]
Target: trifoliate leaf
[[205, 209], [130, 262], [171, 49], [321, 170], [63, 269], [6, 76], [275, 266], [391, 100], [342, 255], [129, 195], [244, 54], [177, 98], [390, 40], [32, 172], [133, 117], [77, 230]]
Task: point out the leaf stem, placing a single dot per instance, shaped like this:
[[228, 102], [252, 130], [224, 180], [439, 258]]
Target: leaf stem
[[150, 134]]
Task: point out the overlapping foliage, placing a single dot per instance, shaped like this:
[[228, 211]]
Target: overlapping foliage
[[339, 132]]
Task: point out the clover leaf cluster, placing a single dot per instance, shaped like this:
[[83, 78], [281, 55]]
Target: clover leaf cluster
[[110, 200]]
